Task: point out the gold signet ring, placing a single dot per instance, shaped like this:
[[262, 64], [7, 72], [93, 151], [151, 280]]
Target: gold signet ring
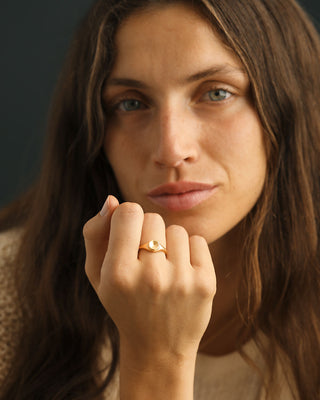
[[153, 246]]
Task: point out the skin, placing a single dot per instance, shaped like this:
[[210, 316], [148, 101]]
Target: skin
[[174, 122]]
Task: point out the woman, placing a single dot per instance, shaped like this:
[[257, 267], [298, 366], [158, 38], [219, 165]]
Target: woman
[[201, 119]]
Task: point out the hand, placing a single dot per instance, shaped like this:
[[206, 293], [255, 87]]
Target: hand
[[161, 304]]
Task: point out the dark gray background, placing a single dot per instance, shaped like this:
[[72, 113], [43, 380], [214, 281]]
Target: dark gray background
[[34, 37]]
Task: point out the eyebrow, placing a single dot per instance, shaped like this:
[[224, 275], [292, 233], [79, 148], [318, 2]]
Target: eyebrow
[[217, 69]]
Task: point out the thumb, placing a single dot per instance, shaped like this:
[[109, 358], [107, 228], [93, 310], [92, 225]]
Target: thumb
[[96, 237]]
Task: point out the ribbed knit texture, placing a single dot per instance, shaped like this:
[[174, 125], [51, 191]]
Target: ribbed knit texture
[[10, 316]]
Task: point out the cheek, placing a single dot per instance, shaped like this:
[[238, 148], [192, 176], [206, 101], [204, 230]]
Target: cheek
[[237, 141], [126, 135], [125, 157], [248, 170], [118, 147]]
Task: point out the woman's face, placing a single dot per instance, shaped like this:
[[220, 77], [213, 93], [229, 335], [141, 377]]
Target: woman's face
[[183, 139]]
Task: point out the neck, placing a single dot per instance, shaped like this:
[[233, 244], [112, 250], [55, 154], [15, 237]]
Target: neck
[[226, 329]]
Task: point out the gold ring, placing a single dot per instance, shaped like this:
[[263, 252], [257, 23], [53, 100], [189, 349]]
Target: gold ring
[[153, 246]]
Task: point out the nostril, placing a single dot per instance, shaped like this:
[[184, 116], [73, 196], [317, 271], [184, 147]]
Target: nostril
[[172, 159], [166, 164]]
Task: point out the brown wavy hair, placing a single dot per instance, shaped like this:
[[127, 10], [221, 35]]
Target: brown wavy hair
[[64, 324]]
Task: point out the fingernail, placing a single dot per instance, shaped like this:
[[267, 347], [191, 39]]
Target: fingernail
[[105, 208]]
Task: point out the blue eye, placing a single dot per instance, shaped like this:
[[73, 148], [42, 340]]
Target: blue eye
[[218, 94], [130, 105]]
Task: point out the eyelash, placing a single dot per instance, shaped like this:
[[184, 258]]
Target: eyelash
[[115, 106]]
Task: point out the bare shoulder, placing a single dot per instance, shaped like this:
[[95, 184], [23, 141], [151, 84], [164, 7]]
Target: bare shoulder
[[10, 317]]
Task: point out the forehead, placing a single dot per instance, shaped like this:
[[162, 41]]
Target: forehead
[[171, 38]]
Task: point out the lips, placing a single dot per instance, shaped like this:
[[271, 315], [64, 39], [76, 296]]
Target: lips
[[180, 196]]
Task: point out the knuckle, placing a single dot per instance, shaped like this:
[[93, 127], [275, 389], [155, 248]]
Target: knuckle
[[206, 288], [127, 209], [88, 271], [183, 289], [153, 217], [89, 229], [154, 286], [154, 281], [177, 230], [197, 239], [120, 281], [91, 273]]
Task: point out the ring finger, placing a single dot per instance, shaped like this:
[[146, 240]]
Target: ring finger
[[153, 235]]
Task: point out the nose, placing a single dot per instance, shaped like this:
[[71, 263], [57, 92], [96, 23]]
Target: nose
[[175, 140]]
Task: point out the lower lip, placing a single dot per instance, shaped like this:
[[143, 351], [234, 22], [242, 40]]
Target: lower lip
[[183, 201]]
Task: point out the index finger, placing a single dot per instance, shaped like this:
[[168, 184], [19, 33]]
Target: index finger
[[125, 233], [96, 236]]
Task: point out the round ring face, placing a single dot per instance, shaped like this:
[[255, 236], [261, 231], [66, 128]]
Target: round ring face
[[154, 245]]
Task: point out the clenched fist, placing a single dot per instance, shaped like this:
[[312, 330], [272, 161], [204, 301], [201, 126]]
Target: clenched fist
[[161, 303]]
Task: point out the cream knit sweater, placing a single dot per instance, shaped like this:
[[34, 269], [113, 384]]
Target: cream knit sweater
[[217, 378]]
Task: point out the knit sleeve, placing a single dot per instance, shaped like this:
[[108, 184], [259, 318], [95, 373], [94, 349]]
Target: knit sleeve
[[10, 317]]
